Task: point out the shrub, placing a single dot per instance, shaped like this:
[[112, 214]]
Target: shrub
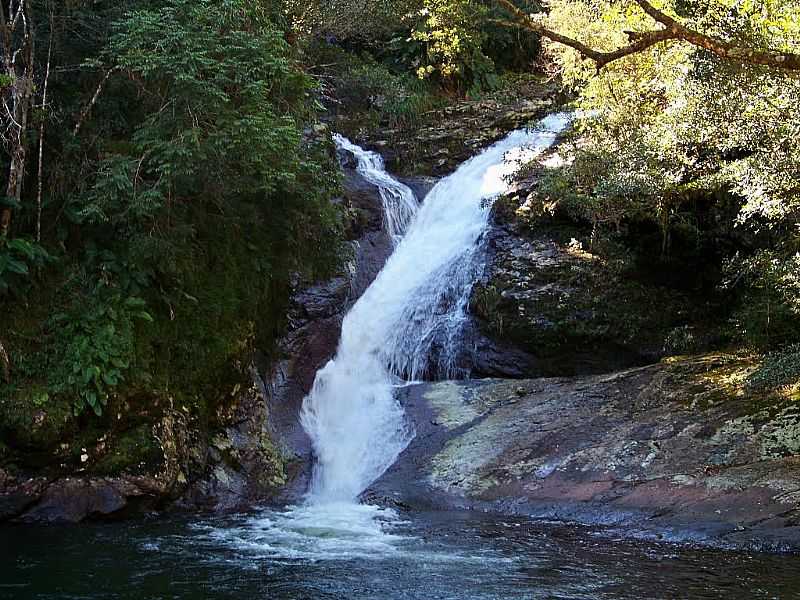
[[778, 369]]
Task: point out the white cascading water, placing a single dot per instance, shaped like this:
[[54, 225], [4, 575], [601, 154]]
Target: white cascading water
[[399, 202], [405, 326], [407, 323]]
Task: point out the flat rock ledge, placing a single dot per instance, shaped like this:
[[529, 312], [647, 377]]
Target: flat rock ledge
[[678, 451]]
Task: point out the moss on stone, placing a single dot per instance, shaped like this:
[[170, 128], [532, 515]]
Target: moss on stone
[[134, 451], [33, 421], [558, 301], [274, 475], [720, 382]]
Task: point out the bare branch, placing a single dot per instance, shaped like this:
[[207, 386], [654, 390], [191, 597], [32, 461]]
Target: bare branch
[[643, 40], [41, 138], [88, 108], [5, 362]]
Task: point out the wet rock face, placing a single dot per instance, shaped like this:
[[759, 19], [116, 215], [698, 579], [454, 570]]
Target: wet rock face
[[567, 310], [76, 499], [678, 451], [456, 133], [237, 466], [241, 465], [533, 303]]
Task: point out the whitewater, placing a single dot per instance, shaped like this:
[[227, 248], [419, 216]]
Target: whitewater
[[406, 326]]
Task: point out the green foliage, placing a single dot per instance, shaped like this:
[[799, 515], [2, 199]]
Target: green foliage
[[17, 257], [451, 31], [769, 314], [680, 340], [455, 43], [356, 22], [195, 195], [512, 50], [464, 46], [659, 118], [239, 91], [778, 369], [96, 350], [574, 191], [216, 196], [394, 100], [132, 451], [34, 421]]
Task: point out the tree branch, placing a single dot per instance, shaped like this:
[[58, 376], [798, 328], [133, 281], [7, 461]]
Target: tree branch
[[41, 138], [88, 108], [5, 362], [725, 50], [673, 30]]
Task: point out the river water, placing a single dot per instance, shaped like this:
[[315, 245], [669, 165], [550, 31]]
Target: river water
[[427, 556]]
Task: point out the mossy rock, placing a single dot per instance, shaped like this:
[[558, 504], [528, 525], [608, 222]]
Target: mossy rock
[[274, 474], [34, 422], [570, 308], [134, 451]]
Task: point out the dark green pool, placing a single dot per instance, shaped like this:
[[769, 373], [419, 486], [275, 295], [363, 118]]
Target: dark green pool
[[369, 554]]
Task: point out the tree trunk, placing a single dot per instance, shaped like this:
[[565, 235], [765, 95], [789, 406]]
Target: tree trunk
[[41, 138], [16, 28]]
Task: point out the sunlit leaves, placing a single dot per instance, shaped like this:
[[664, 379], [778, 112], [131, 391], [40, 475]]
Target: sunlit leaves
[[674, 124]]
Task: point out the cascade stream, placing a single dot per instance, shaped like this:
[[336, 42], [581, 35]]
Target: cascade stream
[[407, 325]]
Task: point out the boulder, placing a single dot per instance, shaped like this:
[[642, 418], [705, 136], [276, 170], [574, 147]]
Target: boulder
[[681, 450], [568, 309]]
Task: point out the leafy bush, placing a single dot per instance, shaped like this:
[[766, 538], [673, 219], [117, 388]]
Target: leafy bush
[[17, 256], [392, 99], [451, 32], [778, 369], [96, 350], [768, 315], [680, 340], [194, 196]]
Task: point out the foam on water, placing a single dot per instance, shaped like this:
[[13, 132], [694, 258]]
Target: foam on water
[[332, 531]]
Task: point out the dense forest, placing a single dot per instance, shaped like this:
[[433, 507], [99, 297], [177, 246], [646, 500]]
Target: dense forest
[[170, 177]]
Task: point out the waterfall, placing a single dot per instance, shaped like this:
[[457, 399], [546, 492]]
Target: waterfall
[[399, 202], [407, 323]]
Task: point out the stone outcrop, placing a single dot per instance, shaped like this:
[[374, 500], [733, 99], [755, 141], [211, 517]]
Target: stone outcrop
[[454, 134], [682, 451], [231, 467], [568, 308]]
